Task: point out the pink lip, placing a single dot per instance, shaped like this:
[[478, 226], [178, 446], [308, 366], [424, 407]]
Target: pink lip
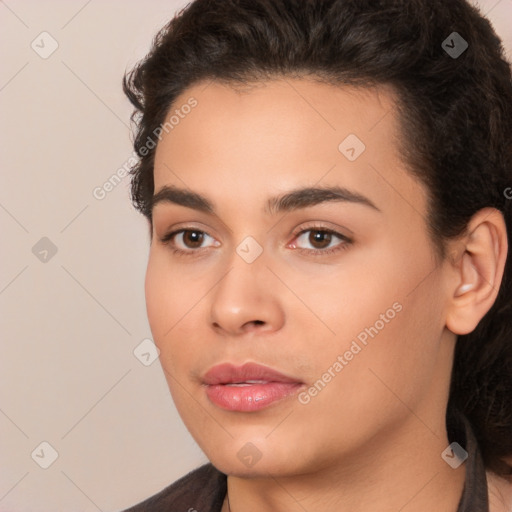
[[271, 386]]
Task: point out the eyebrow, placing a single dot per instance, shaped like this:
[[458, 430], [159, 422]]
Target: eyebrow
[[293, 200]]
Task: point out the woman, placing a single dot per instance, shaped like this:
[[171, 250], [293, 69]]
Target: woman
[[327, 185]]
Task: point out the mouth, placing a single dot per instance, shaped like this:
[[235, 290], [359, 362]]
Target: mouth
[[247, 388]]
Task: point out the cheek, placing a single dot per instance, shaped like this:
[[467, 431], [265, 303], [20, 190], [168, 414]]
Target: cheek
[[158, 300], [168, 294], [376, 383], [351, 297], [164, 300], [386, 364], [387, 315], [172, 299]]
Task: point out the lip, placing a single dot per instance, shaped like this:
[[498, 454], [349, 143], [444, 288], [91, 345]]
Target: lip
[[246, 388]]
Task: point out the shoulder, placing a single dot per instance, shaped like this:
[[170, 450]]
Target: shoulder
[[500, 493], [202, 489]]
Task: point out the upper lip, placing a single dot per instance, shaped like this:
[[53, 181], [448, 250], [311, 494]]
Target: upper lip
[[227, 373]]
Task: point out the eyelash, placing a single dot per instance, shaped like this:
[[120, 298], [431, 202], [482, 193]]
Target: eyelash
[[345, 241]]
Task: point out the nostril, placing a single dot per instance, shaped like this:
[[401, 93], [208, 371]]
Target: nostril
[[253, 324]]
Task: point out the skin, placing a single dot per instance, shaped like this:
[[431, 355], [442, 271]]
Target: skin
[[379, 424]]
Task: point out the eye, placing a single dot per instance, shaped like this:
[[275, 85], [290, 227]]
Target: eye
[[186, 241], [321, 241]]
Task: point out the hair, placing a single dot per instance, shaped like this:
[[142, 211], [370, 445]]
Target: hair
[[454, 112]]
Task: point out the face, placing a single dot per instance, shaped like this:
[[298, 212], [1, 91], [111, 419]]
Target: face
[[292, 288]]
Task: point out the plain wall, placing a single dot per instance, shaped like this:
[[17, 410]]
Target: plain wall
[[70, 321]]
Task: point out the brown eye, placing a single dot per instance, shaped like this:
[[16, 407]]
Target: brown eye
[[319, 239], [192, 239], [189, 241]]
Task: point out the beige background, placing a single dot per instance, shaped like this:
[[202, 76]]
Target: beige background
[[70, 323]]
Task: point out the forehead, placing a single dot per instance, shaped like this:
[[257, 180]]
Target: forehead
[[292, 109], [282, 133]]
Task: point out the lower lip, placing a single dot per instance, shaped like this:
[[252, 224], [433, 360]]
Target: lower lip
[[250, 398]]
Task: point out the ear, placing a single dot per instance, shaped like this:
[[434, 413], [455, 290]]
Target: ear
[[477, 270]]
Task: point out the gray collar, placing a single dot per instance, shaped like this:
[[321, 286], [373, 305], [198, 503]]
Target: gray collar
[[475, 495]]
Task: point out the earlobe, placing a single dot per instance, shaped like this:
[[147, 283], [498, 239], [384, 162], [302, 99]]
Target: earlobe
[[479, 271]]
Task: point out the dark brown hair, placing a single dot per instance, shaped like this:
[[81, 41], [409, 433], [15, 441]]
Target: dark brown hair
[[455, 113]]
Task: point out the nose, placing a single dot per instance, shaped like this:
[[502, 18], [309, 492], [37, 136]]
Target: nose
[[246, 299]]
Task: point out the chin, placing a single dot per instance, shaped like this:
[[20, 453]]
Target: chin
[[256, 459], [260, 470]]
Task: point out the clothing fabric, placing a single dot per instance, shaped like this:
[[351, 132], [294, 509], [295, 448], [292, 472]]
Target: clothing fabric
[[204, 489], [475, 494]]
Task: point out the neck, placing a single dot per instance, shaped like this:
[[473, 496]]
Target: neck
[[402, 472]]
